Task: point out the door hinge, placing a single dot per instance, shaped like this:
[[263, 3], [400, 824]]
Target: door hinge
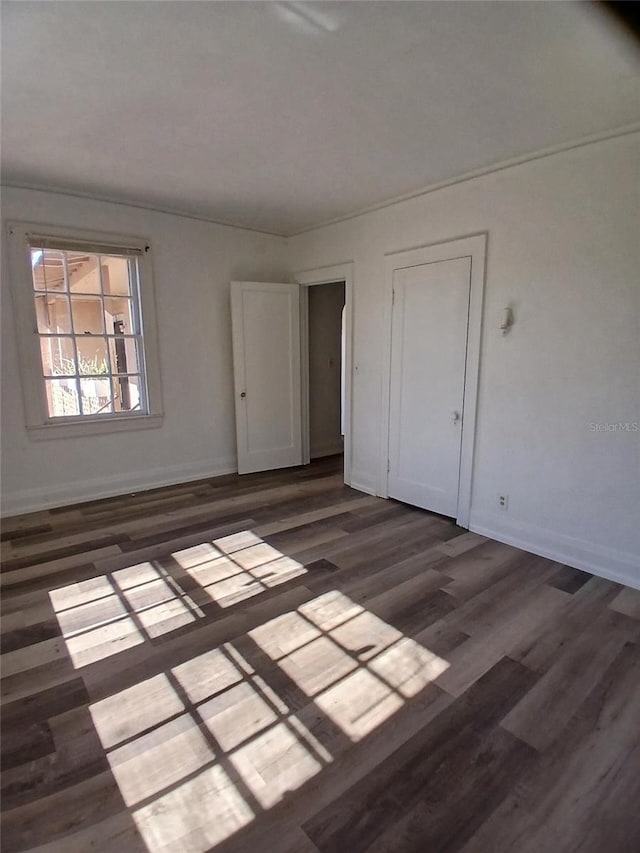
[[388, 465], [393, 297]]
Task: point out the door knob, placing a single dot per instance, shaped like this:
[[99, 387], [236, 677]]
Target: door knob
[[243, 395], [455, 417]]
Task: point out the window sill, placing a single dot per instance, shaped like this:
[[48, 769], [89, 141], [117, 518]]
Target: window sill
[[79, 429]]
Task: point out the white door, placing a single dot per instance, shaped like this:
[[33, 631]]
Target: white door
[[265, 321], [428, 350]]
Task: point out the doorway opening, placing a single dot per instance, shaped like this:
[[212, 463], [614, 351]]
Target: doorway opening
[[324, 382], [309, 280]]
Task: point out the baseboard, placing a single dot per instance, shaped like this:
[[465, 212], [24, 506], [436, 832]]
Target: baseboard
[[33, 500], [361, 483], [619, 566], [326, 450]]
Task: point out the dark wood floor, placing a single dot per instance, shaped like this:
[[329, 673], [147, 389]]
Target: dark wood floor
[[279, 663]]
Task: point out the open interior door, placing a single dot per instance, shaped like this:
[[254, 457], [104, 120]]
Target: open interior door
[[265, 319]]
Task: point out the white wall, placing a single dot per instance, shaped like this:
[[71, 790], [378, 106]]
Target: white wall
[[193, 262], [326, 302], [563, 251]]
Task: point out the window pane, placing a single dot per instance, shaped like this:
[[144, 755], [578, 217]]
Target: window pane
[[124, 355], [87, 316], [118, 317], [48, 269], [126, 392], [96, 396], [115, 276], [52, 313], [89, 327], [92, 356], [58, 356], [84, 273], [62, 398]]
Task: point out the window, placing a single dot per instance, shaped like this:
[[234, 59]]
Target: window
[[89, 364]]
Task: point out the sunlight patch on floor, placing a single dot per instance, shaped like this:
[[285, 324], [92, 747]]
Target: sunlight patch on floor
[[207, 674], [195, 816], [111, 613], [237, 567], [275, 762], [107, 614], [172, 752], [137, 709], [358, 669], [198, 750]]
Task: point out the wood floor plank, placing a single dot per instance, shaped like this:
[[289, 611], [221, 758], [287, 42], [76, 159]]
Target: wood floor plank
[[628, 602], [115, 834], [14, 638], [527, 573], [561, 691], [70, 759], [37, 574], [32, 655], [458, 796], [54, 817], [540, 651], [350, 504], [462, 544], [170, 543], [583, 792], [426, 767], [277, 662], [479, 569], [338, 778], [484, 648], [569, 579]]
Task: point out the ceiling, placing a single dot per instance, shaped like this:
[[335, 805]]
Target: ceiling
[[283, 115]]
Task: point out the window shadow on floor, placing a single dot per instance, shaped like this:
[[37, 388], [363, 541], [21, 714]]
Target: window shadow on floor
[[186, 741]]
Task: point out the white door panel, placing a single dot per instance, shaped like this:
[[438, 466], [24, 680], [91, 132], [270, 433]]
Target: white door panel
[[266, 359], [428, 349]]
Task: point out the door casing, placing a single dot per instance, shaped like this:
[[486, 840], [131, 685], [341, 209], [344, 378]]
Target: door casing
[[309, 278], [473, 246]]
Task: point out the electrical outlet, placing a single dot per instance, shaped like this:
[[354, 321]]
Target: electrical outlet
[[503, 501]]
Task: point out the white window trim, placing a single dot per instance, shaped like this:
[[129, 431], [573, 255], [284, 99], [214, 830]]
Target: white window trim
[[38, 423]]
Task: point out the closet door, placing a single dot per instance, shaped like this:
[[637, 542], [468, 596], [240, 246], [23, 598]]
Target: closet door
[[428, 351]]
